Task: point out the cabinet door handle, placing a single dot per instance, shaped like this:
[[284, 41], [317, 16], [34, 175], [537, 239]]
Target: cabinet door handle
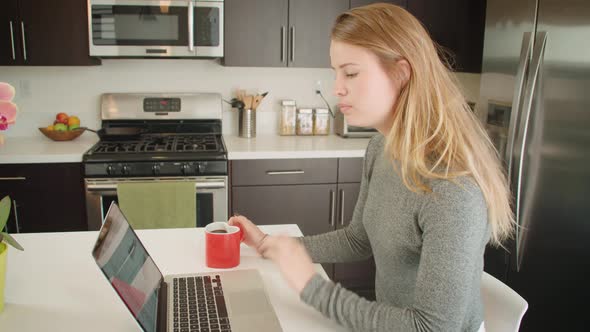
[[341, 202], [282, 43], [191, 26], [12, 41], [15, 215], [291, 172], [292, 43], [332, 208], [13, 178], [22, 26]]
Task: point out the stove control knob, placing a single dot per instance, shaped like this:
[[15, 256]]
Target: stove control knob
[[156, 169], [200, 168], [125, 170], [110, 170], [185, 168]]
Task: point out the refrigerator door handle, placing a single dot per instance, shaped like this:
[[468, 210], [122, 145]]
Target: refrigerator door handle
[[525, 55], [538, 52]]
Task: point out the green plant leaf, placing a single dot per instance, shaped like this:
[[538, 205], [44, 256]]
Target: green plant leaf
[[10, 240], [4, 211]]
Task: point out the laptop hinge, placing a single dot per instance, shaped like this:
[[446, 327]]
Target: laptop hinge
[[162, 318]]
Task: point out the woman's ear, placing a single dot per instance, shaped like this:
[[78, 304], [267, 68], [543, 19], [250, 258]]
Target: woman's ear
[[404, 70]]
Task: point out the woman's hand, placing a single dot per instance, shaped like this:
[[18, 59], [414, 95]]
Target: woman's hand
[[252, 234], [291, 257]]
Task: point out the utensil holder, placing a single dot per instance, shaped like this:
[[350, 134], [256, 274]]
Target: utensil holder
[[247, 123]]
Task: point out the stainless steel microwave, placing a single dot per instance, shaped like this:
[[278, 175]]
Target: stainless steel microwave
[[155, 28], [345, 130]]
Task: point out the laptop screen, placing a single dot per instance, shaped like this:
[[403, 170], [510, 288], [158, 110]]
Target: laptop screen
[[128, 267]]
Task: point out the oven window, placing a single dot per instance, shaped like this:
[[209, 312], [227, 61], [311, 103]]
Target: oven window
[[207, 23], [139, 25], [106, 203], [204, 207]]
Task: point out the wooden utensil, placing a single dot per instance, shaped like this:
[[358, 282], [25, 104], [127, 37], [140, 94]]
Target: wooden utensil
[[248, 101], [258, 100], [241, 95]]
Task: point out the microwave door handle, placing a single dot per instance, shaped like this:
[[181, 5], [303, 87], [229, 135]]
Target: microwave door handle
[[191, 24]]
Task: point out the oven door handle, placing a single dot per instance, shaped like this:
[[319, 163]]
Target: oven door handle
[[113, 186]]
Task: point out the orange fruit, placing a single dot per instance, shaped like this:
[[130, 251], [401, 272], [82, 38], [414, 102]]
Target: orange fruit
[[73, 120], [50, 127]]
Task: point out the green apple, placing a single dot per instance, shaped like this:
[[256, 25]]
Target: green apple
[[73, 126], [60, 127]]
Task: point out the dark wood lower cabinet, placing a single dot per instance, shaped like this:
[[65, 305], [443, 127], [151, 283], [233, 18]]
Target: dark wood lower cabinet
[[308, 206], [315, 208], [356, 276], [45, 197]]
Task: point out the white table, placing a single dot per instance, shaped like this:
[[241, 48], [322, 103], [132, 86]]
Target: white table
[[55, 285]]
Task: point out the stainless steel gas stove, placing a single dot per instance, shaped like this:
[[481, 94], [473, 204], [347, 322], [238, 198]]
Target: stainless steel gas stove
[[158, 137]]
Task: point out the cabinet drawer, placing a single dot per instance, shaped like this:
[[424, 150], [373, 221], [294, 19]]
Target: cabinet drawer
[[350, 170], [312, 207], [284, 171]]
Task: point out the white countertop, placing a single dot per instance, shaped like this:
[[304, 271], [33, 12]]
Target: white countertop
[[286, 147], [55, 284], [40, 149]]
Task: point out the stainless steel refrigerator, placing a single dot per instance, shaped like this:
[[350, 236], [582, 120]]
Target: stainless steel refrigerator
[[535, 103]]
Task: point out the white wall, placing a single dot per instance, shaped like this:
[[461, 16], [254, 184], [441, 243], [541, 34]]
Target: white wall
[[44, 91]]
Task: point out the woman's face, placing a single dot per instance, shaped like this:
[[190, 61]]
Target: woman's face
[[367, 93]]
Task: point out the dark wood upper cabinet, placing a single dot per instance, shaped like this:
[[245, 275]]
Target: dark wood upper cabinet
[[10, 46], [359, 3], [310, 26], [45, 33], [280, 33], [256, 33], [456, 25]]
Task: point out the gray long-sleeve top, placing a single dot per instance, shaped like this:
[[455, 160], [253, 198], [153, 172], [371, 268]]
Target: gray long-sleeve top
[[428, 250]]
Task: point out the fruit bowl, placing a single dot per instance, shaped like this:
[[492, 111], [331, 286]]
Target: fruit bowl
[[62, 135]]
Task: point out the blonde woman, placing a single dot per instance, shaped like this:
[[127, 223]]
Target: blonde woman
[[432, 194]]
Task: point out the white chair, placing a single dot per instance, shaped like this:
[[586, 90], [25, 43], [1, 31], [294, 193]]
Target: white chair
[[503, 308]]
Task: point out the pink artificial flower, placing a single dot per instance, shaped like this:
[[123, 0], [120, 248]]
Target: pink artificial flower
[[6, 91], [8, 111], [3, 123]]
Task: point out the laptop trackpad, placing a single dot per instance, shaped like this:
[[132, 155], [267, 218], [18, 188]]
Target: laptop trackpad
[[251, 311]]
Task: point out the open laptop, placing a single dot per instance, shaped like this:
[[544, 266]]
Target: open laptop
[[218, 301]]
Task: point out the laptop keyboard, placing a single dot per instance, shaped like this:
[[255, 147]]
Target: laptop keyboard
[[199, 305]]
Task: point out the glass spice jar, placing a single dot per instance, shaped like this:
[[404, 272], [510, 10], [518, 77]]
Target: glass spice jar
[[321, 121], [288, 118], [305, 121]]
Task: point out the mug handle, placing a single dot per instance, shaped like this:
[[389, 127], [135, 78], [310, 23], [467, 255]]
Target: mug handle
[[241, 232]]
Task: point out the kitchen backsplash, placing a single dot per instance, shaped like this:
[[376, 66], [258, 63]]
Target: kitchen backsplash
[[44, 91]]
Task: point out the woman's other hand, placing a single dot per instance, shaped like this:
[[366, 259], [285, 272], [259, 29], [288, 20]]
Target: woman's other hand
[[252, 234], [291, 257]]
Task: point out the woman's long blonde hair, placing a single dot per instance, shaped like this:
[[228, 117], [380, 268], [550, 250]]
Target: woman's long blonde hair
[[434, 134]]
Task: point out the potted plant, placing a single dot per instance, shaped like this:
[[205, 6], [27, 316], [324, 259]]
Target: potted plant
[[4, 239]]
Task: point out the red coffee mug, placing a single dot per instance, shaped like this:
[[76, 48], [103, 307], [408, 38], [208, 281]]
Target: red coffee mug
[[222, 245]]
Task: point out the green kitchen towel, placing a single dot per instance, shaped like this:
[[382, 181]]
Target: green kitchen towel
[[158, 204]]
